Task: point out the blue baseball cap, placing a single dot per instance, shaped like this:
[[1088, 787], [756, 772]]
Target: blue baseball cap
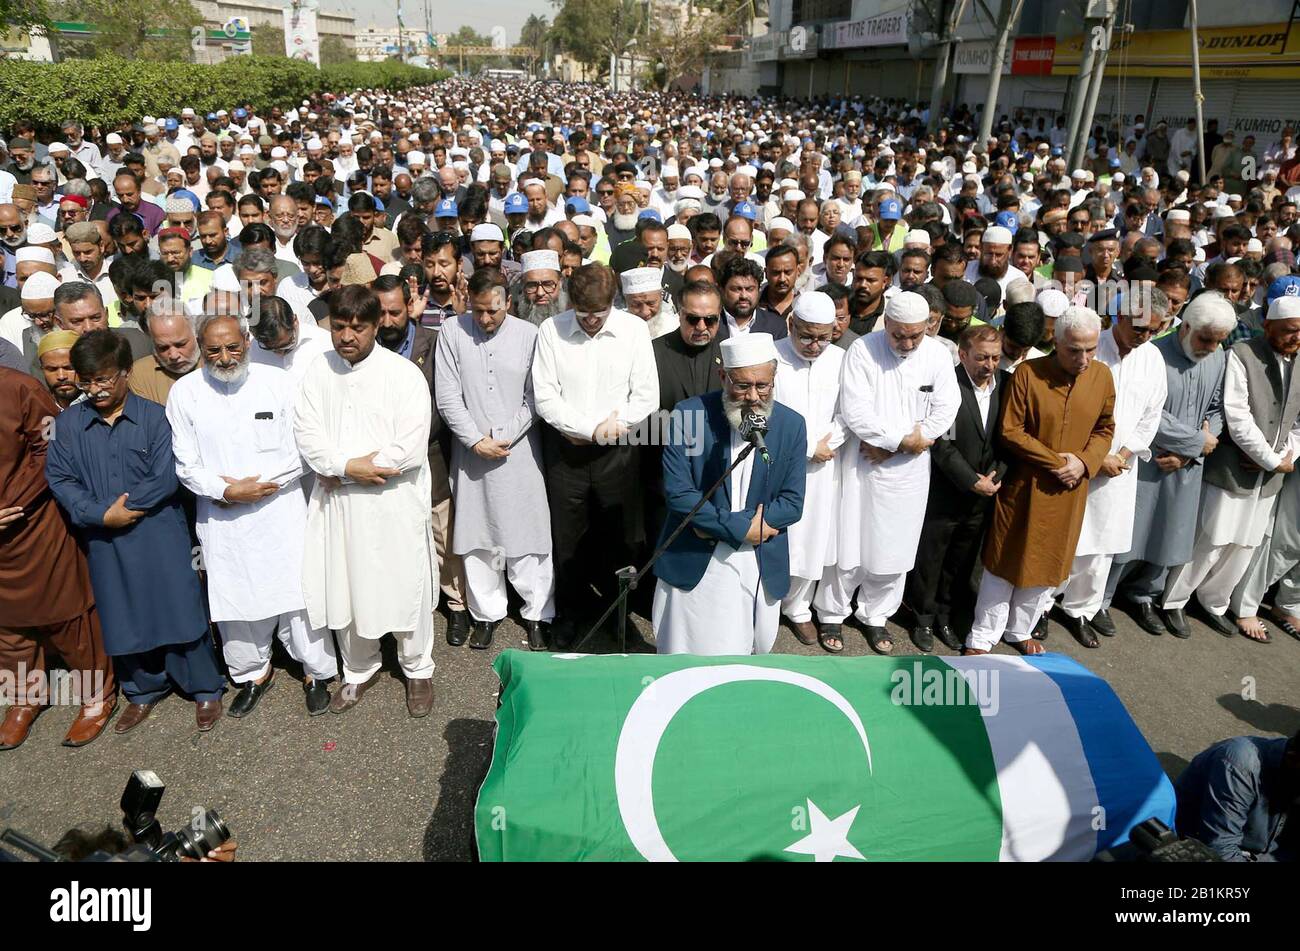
[[1285, 286], [447, 208], [891, 210], [240, 113], [516, 204], [1056, 150], [1007, 219], [650, 213], [211, 117], [171, 125], [597, 128], [322, 200], [745, 210], [577, 203]]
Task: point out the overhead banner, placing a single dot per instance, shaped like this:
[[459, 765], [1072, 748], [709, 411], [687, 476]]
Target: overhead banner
[[301, 40], [976, 57], [888, 29], [1268, 51], [1033, 56]]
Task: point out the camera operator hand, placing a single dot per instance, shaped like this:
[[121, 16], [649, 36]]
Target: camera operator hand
[[225, 852]]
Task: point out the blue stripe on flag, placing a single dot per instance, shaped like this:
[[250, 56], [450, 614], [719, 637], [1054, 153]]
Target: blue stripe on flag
[[1131, 788]]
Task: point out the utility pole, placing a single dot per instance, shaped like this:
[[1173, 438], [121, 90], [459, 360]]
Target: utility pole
[[942, 58], [1196, 93], [1094, 90], [1008, 16], [1091, 40]]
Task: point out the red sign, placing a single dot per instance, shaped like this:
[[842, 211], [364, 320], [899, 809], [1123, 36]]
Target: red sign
[[1032, 56]]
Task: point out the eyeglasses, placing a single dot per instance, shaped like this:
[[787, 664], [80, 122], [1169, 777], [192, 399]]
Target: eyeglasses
[[12, 229], [532, 287], [762, 389], [814, 341], [709, 320], [100, 382], [604, 191]]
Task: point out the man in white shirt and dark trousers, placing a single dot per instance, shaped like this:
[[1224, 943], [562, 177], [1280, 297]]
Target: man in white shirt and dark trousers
[[594, 379]]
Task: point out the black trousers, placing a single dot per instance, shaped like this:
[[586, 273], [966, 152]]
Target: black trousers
[[940, 586], [597, 524]]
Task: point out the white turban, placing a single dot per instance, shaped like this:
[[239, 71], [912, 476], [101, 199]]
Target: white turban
[[748, 350], [814, 307], [908, 308]]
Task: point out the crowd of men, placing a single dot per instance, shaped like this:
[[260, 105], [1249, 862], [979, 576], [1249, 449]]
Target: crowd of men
[[311, 375]]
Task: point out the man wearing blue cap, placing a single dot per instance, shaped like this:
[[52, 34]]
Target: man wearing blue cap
[[516, 211], [885, 233]]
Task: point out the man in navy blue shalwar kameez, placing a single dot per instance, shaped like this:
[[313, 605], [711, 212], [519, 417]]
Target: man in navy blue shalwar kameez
[[111, 468]]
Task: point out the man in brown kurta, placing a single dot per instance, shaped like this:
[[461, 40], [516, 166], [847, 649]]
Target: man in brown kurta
[[1057, 426], [46, 602]]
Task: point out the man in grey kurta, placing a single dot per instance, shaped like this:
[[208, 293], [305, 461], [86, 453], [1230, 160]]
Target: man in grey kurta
[[1169, 483], [482, 381]]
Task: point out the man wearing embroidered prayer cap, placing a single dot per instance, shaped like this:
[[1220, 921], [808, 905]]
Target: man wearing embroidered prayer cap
[[24, 326], [543, 292], [897, 395], [643, 296], [716, 595], [808, 379]]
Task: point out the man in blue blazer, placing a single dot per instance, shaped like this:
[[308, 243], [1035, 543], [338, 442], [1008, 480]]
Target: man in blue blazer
[[722, 580]]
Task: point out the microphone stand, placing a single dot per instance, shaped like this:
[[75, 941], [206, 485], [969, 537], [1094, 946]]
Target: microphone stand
[[629, 577]]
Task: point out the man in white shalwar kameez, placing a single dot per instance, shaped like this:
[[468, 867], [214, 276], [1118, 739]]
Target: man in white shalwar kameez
[[362, 421], [1276, 561], [1140, 390], [722, 580], [232, 436], [282, 339], [898, 394], [1243, 476], [808, 381]]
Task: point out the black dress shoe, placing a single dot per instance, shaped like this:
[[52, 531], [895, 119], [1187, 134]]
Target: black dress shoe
[[536, 634], [1176, 622], [1103, 624], [1040, 629], [1144, 613], [318, 696], [248, 697], [949, 637], [1219, 623], [457, 628], [923, 638], [481, 638], [1078, 629]]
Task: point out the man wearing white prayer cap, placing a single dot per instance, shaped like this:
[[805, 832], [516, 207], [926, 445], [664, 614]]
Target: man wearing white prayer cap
[[543, 295], [715, 595], [898, 394], [995, 259], [808, 379], [33, 317], [643, 297], [487, 246], [680, 244], [1245, 473]]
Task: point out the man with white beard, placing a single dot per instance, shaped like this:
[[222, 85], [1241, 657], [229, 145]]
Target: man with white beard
[[715, 596], [232, 436], [282, 214], [664, 198], [643, 296], [808, 381], [898, 395], [679, 248], [543, 291], [1137, 369], [1261, 406]]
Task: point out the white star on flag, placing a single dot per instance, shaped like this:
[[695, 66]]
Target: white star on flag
[[827, 838]]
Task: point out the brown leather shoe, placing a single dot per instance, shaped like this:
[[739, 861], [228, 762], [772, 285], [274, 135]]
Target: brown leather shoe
[[90, 722], [805, 632], [17, 724], [133, 716], [206, 714], [419, 697], [349, 695]]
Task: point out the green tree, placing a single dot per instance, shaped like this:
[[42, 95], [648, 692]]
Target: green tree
[[268, 41], [334, 50], [32, 16], [592, 30], [533, 33], [154, 30]]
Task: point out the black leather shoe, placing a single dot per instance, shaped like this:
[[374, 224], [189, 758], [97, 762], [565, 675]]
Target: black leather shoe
[[923, 638], [250, 694], [1040, 629], [1219, 623], [1176, 622], [481, 638], [537, 631], [318, 696], [563, 634], [1078, 629], [949, 637], [458, 628], [1103, 624], [1144, 613]]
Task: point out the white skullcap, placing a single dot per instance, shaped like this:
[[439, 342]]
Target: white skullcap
[[1254, 245], [113, 139], [777, 224], [997, 235], [279, 152], [917, 238], [543, 260], [460, 165], [40, 286], [1179, 214], [669, 170], [793, 194], [224, 279], [642, 280], [40, 255], [1223, 211], [280, 165], [1234, 198], [643, 185], [1283, 308], [496, 146], [690, 191], [1053, 302], [40, 234], [1079, 173], [487, 232], [715, 162], [748, 350], [1117, 177], [585, 221], [1198, 256], [415, 157], [969, 168], [787, 183], [678, 232], [908, 308], [57, 147], [814, 307], [315, 144]]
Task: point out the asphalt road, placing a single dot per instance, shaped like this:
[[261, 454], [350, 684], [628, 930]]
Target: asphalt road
[[373, 784]]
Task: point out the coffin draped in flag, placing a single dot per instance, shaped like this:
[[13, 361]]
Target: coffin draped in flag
[[669, 758]]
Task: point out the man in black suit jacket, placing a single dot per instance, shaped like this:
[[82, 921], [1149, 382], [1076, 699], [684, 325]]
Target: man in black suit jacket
[[966, 473], [740, 281]]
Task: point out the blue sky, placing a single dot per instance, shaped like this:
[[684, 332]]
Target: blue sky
[[448, 16]]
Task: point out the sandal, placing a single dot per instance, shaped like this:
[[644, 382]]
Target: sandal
[[1029, 647], [1286, 626], [972, 652], [880, 640], [1257, 628], [829, 632]]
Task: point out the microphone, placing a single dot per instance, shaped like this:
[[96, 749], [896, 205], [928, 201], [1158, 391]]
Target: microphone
[[752, 428]]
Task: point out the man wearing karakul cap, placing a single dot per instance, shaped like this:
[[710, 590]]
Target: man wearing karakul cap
[[716, 595], [897, 395]]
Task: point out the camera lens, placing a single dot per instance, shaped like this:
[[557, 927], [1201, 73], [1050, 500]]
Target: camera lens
[[197, 843]]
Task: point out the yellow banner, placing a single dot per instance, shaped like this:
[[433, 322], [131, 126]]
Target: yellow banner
[[1230, 52]]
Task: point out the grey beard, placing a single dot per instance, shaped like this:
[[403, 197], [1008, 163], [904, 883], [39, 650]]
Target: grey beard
[[1185, 343], [234, 376], [679, 268], [15, 241], [536, 314], [625, 222], [734, 409]]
